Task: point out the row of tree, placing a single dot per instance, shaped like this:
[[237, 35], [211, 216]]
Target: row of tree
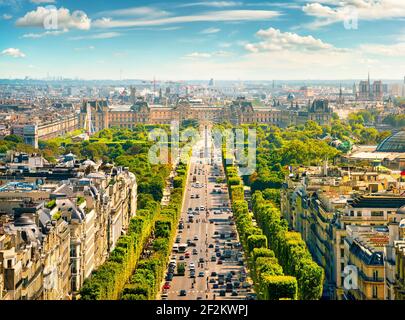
[[291, 251], [269, 280], [145, 282]]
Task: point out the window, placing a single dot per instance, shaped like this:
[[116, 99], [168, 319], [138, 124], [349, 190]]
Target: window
[[342, 253], [377, 213], [375, 292], [375, 275], [359, 213]]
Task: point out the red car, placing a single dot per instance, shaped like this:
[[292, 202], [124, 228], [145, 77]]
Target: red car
[[187, 254], [219, 261], [166, 285]]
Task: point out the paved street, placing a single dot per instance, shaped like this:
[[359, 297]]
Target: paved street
[[209, 237]]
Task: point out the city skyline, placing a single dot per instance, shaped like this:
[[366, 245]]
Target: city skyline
[[225, 40]]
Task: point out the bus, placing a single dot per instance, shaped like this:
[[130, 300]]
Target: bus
[[182, 247]]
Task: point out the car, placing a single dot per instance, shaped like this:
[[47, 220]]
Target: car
[[215, 286], [213, 258], [187, 255], [222, 293], [212, 280], [218, 254], [191, 266], [213, 274], [201, 260], [197, 196], [195, 238], [199, 298], [251, 296], [190, 209], [195, 251], [234, 293], [178, 239], [197, 209], [192, 196], [220, 262], [210, 246], [181, 258], [183, 293], [164, 296], [202, 208], [166, 286], [193, 244], [201, 274], [169, 276], [192, 273], [174, 257]]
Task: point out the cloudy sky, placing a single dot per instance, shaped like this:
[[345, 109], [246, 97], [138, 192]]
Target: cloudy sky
[[202, 39]]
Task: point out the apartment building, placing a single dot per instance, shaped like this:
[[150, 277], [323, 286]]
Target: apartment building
[[77, 223], [321, 203]]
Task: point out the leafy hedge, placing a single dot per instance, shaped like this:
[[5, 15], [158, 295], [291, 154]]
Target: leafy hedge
[[278, 287], [107, 282], [289, 248], [269, 279]]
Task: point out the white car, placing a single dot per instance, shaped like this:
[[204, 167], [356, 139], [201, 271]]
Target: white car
[[195, 238], [202, 208], [191, 266]]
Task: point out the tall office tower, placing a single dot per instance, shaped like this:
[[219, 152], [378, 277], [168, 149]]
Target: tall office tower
[[377, 90]]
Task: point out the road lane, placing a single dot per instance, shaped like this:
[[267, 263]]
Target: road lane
[[207, 232]]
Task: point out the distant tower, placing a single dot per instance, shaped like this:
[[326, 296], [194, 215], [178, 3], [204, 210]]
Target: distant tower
[[133, 94], [211, 83], [88, 124], [341, 100], [355, 90], [369, 85]]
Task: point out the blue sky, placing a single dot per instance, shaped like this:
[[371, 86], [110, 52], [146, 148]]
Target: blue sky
[[200, 39]]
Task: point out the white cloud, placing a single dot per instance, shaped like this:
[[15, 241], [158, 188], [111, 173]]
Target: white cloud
[[85, 48], [275, 40], [136, 11], [6, 16], [224, 15], [42, 1], [62, 17], [210, 30], [13, 52], [392, 50], [217, 4], [44, 34], [337, 11], [207, 55], [104, 35]]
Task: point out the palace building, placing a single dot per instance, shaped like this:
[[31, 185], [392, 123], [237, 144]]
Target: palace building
[[103, 115]]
